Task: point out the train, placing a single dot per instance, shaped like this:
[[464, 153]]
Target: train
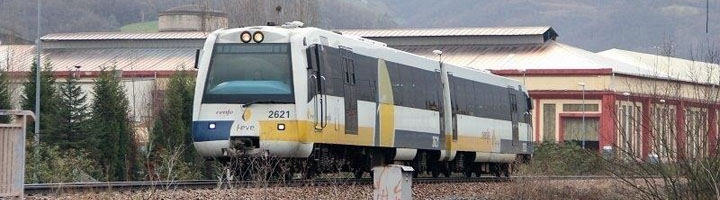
[[329, 102]]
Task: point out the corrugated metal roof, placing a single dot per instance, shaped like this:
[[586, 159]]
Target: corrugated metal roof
[[437, 32], [16, 57], [155, 59], [550, 55], [677, 68], [123, 59], [125, 36]]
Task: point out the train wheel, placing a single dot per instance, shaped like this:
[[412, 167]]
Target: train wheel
[[468, 173], [506, 170], [495, 170], [435, 173], [308, 175], [358, 173]]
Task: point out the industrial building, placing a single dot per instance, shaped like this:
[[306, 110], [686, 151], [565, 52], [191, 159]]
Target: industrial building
[[143, 61], [620, 100], [609, 100]]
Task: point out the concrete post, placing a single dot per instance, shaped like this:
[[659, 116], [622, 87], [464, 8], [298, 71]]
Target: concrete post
[[392, 182]]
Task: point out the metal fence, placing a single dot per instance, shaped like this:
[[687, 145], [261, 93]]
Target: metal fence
[[12, 153]]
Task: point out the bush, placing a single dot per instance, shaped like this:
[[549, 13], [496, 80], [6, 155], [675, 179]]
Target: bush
[[170, 166], [562, 160], [564, 189], [54, 165]]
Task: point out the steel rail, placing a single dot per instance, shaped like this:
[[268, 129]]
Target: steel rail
[[51, 188]]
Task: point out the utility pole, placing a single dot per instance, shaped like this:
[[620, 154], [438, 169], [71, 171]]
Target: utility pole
[[38, 62]]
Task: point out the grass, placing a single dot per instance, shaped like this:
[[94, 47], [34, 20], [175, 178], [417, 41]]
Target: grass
[[141, 27]]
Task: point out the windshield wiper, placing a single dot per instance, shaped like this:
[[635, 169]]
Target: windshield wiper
[[264, 102]]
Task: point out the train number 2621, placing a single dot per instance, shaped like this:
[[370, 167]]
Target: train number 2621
[[279, 114]]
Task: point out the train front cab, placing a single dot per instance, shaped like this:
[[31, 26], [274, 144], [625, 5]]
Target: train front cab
[[245, 89]]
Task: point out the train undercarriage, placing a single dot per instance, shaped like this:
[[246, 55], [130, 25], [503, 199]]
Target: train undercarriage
[[333, 159]]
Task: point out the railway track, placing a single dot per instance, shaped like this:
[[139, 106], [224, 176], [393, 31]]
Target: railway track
[[51, 188]]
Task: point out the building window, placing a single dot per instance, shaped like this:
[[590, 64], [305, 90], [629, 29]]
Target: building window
[[579, 107], [664, 131], [549, 122], [696, 132], [576, 131], [629, 129]]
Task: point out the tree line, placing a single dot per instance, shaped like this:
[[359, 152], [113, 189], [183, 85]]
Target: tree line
[[88, 140]]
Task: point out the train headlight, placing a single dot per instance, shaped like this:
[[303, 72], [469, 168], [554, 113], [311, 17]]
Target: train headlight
[[211, 126], [258, 37], [281, 127], [245, 37]]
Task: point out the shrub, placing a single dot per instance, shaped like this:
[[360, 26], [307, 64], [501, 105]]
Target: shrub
[[54, 165], [562, 160]]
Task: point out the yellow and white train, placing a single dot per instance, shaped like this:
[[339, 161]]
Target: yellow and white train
[[323, 99]]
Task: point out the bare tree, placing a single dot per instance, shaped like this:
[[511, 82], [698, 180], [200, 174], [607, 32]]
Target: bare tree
[[253, 13], [666, 129]]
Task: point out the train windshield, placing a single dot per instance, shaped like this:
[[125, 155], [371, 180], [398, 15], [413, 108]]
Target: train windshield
[[243, 73]]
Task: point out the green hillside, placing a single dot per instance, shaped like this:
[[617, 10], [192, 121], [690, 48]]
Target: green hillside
[[142, 27]]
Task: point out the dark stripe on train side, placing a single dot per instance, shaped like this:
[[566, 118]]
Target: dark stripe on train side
[[523, 147], [412, 87], [418, 140]]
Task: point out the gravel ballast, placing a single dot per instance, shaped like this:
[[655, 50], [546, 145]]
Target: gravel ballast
[[526, 189]]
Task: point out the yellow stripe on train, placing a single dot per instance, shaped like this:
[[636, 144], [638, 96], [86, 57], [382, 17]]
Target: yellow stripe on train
[[304, 131]]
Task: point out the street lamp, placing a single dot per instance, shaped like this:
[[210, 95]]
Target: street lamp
[[439, 53], [584, 133]]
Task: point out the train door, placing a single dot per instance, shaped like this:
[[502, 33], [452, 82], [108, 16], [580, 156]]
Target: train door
[[514, 117], [351, 114], [440, 106], [455, 108], [316, 86]]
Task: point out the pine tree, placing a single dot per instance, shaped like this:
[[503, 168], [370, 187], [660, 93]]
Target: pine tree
[[173, 126], [48, 100], [4, 95], [111, 127], [73, 115]]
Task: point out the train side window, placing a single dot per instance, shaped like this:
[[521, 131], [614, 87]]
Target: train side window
[[426, 86], [405, 86], [462, 100], [481, 100], [346, 74], [351, 65], [454, 100], [395, 82], [470, 89], [513, 103], [311, 57], [472, 105], [414, 91]]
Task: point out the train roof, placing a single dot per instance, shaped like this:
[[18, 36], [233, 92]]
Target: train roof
[[381, 50]]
